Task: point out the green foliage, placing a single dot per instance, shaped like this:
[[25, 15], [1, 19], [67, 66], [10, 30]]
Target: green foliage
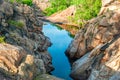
[[2, 39], [86, 9], [57, 5], [18, 24], [12, 1], [28, 2]]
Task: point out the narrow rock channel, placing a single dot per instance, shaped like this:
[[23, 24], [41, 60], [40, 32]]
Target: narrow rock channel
[[60, 40]]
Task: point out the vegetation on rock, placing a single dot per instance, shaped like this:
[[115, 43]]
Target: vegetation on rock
[[28, 2], [18, 24], [86, 9], [2, 39]]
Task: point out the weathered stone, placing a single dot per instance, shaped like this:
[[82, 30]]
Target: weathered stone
[[94, 35], [62, 17], [109, 5], [79, 67], [42, 4], [40, 66], [11, 56], [46, 77], [8, 10], [25, 56], [15, 61], [106, 2], [101, 38], [116, 76], [45, 56], [109, 66], [26, 69]]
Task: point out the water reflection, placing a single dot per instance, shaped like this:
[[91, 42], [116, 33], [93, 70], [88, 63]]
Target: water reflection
[[60, 39]]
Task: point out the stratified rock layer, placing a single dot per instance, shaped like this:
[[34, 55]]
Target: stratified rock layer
[[95, 48]]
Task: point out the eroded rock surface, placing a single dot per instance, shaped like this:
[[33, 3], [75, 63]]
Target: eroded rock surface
[[47, 77], [24, 54], [95, 48], [42, 4]]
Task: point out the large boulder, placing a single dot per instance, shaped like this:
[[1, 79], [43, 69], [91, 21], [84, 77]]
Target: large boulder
[[107, 67], [17, 64], [10, 58]]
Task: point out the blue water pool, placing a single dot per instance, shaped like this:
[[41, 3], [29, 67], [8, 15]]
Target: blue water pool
[[60, 40]]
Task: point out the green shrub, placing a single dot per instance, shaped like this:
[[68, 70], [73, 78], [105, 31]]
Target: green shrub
[[86, 9], [12, 1], [2, 39], [57, 5], [28, 2], [18, 24]]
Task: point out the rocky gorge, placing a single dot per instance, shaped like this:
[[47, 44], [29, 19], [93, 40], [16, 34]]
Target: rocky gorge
[[95, 51], [23, 46]]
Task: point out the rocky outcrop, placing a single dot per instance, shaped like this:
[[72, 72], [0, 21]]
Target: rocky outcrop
[[62, 17], [42, 4], [46, 77], [95, 48], [109, 5], [23, 55]]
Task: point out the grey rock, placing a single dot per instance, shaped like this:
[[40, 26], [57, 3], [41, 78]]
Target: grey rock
[[25, 56], [47, 77], [8, 10]]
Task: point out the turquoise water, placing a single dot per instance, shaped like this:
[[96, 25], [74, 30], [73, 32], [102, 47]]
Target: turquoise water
[[60, 40]]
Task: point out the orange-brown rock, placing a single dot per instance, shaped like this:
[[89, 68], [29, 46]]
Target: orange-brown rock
[[96, 46], [11, 56], [97, 31], [63, 17], [17, 64], [42, 4]]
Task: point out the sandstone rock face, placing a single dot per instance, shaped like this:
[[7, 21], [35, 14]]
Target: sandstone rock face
[[16, 63], [62, 17], [42, 4], [24, 56], [11, 60], [95, 48], [97, 31], [109, 5], [109, 67]]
